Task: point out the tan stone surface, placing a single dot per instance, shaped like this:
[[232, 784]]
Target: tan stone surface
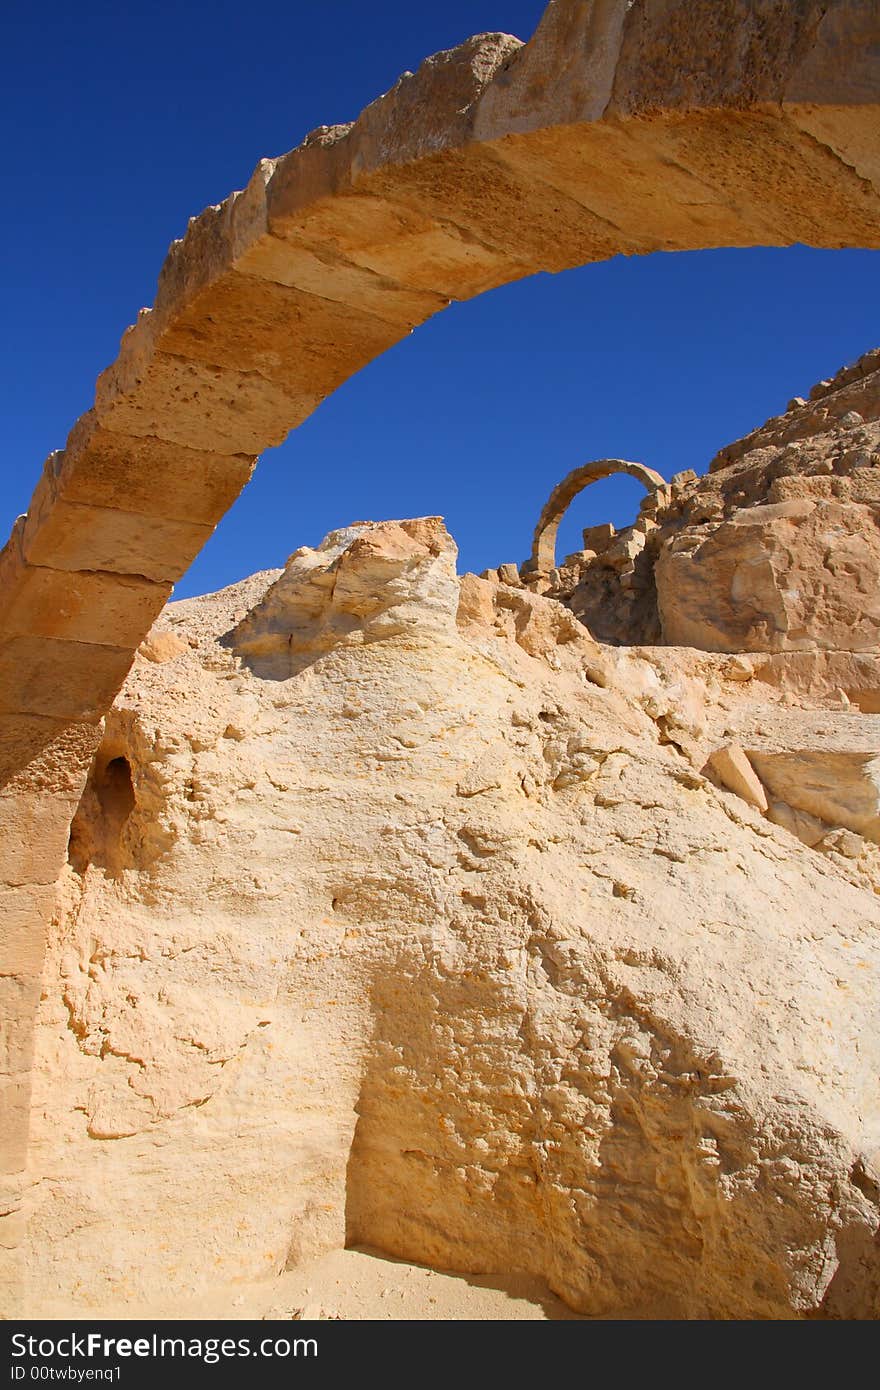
[[23, 737], [60, 679], [840, 788], [609, 132], [775, 550], [77, 536], [734, 770], [807, 828], [361, 1285], [788, 574], [147, 476], [759, 49], [303, 342], [318, 271], [416, 927], [161, 646], [822, 673], [86, 606], [36, 809], [193, 404]]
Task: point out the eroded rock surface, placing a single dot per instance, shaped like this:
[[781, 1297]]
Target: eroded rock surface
[[400, 912]]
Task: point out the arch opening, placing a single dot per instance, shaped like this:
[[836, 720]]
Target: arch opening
[[97, 832], [543, 556], [605, 510]]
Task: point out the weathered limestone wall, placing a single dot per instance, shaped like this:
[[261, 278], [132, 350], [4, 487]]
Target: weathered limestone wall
[[36, 808], [778, 548], [423, 928]]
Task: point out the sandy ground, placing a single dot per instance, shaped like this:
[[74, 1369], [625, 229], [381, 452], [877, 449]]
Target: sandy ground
[[355, 1285]]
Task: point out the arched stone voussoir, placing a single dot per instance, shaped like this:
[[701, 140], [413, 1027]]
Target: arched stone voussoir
[[543, 556]]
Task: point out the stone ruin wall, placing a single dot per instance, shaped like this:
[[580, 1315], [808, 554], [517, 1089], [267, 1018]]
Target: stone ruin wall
[[775, 550]]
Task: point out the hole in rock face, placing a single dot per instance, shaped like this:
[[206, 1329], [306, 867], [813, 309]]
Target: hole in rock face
[[616, 500], [97, 831], [116, 792]]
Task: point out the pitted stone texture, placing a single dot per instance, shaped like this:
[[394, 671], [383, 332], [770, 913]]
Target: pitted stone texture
[[783, 576], [146, 476], [420, 929]]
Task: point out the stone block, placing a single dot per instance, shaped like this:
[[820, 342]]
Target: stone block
[[311, 268], [733, 769], [59, 755], [304, 343], [89, 606], [19, 996], [598, 538], [402, 244], [786, 186], [153, 394], [146, 475], [62, 680], [64, 535], [621, 174], [837, 787], [15, 1093], [33, 846], [564, 75], [662, 62], [502, 207], [24, 911], [509, 574]]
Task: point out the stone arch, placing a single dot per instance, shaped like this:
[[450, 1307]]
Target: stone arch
[[622, 127], [543, 556], [609, 133]]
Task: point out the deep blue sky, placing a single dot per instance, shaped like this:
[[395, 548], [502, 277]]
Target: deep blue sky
[[123, 120]]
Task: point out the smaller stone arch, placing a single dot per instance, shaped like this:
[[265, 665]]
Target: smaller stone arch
[[543, 556]]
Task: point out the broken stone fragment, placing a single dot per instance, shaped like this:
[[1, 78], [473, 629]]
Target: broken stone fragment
[[808, 829], [598, 538], [682, 480], [843, 842], [509, 574], [733, 769], [738, 668], [160, 647], [835, 787]]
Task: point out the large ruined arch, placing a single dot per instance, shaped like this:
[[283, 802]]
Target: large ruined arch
[[621, 128], [609, 133], [543, 556]]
